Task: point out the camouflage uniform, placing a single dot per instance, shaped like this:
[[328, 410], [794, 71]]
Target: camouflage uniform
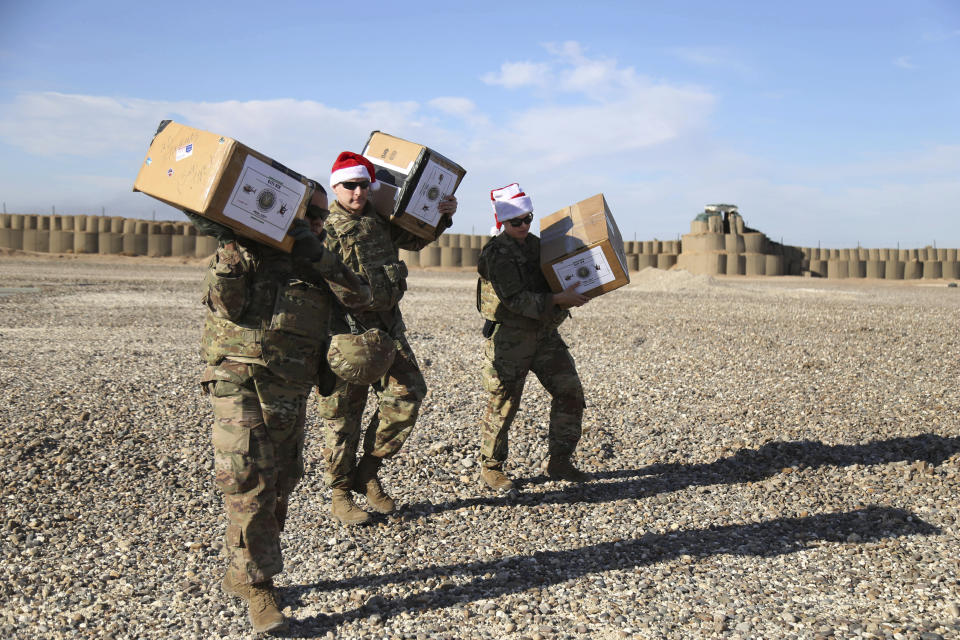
[[369, 244], [513, 293], [264, 340]]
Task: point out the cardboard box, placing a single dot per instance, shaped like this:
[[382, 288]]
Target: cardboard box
[[225, 181], [582, 243], [414, 179]]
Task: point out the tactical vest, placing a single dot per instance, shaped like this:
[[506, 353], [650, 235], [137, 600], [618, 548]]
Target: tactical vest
[[366, 246], [501, 248], [258, 307]]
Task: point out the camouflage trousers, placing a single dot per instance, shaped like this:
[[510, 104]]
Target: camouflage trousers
[[258, 460], [510, 353], [399, 394]]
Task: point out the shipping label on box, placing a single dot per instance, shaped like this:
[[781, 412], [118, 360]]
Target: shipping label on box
[[225, 181], [582, 244], [421, 177], [435, 183], [264, 198], [590, 268]]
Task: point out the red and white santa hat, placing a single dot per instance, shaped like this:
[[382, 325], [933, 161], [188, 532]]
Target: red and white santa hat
[[509, 202], [350, 166]]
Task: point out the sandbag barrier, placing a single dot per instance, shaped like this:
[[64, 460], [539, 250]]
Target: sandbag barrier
[[705, 250], [753, 254]]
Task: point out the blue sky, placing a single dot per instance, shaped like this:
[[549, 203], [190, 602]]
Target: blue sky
[[826, 122]]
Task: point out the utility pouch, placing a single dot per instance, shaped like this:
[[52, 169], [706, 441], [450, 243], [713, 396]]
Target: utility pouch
[[227, 280], [397, 274], [293, 342], [488, 327]]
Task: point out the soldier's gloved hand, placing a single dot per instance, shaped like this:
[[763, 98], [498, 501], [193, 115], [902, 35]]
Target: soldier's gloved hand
[[210, 228], [351, 289], [362, 295], [306, 244]]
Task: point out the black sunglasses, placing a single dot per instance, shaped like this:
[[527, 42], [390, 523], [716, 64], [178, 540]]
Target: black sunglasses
[[519, 222], [350, 186]]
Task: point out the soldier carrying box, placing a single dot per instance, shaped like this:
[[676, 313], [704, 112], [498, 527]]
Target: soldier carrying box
[[369, 244], [265, 343], [521, 319]]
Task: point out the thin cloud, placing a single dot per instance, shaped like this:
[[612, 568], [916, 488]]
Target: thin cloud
[[932, 163], [904, 62], [456, 106], [50, 124], [618, 111], [462, 108], [569, 51], [640, 119], [698, 56], [514, 75], [578, 73], [716, 58], [47, 124], [600, 76]]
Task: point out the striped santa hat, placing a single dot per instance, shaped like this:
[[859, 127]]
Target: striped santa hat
[[509, 202]]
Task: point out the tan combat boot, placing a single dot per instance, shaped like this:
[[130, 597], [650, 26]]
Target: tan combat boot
[[367, 483], [561, 468], [346, 510], [496, 479], [265, 614]]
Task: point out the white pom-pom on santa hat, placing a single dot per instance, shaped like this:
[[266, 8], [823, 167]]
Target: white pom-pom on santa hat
[[510, 202], [350, 166]]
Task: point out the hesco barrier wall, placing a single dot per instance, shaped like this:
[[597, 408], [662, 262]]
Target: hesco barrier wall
[[727, 246], [707, 249], [102, 235]]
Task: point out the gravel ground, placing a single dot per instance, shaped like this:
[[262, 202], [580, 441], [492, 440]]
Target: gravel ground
[[771, 458]]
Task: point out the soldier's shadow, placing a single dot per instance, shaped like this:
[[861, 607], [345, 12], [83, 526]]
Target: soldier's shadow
[[747, 465], [468, 582]]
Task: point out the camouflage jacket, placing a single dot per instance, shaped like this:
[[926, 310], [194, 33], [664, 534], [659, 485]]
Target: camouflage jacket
[[265, 306], [369, 244], [512, 290]]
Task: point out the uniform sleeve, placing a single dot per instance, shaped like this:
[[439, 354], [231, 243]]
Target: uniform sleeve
[[404, 239], [335, 267], [507, 280], [227, 281]]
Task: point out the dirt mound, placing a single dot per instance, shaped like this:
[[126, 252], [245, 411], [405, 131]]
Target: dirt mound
[[651, 279]]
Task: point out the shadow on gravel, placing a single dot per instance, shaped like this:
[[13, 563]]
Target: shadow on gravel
[[518, 573], [747, 465]]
